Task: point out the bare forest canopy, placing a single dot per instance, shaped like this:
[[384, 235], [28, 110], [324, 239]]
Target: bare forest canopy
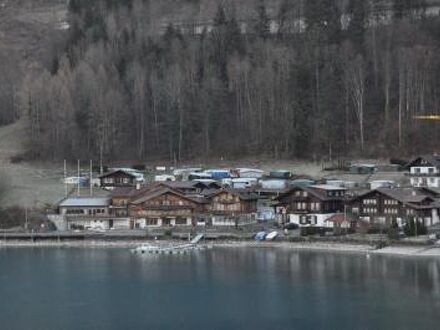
[[178, 80]]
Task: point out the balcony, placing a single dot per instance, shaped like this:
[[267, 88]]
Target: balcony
[[423, 175]]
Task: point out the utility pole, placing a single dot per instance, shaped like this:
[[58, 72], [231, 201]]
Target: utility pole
[[91, 178], [78, 192], [26, 218], [101, 168], [65, 178]]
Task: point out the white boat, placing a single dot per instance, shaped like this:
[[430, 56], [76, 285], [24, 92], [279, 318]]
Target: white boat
[[271, 236]]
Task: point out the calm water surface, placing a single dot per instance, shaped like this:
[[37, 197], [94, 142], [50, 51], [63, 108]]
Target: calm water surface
[[223, 288]]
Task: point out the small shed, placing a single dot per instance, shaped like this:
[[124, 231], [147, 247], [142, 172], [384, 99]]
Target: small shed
[[219, 173], [273, 184], [280, 174], [249, 173], [363, 168], [302, 182]]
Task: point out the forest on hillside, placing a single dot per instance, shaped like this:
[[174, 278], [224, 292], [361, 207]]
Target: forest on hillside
[[299, 79]]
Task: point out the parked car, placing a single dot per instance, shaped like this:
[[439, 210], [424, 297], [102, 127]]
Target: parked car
[[290, 226]]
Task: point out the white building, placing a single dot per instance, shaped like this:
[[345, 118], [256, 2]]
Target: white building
[[90, 213], [424, 171]]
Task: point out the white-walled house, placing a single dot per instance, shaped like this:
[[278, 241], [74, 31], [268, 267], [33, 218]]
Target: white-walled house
[[89, 213], [424, 171]]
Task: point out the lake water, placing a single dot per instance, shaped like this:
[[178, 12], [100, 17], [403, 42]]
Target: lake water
[[223, 288]]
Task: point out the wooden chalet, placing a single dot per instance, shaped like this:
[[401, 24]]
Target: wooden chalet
[[118, 178], [229, 207], [164, 207], [383, 206], [309, 206]]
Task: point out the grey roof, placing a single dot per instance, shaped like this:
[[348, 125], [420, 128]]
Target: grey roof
[[85, 201], [160, 191], [405, 195], [85, 192], [412, 197], [132, 174], [434, 160]]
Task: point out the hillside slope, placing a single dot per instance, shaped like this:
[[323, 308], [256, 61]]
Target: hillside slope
[[27, 184]]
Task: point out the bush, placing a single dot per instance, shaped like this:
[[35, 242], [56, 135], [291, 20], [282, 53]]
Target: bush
[[393, 230], [401, 162], [411, 226]]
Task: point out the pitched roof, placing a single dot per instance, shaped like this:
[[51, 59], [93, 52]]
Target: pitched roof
[[116, 171], [405, 195], [434, 160], [319, 191], [143, 197], [242, 194], [85, 192], [340, 218], [412, 197]]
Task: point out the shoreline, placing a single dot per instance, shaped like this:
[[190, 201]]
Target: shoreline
[[363, 249]]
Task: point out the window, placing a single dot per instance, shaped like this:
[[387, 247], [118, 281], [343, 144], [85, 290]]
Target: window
[[417, 170], [151, 222], [74, 211], [430, 170], [355, 210], [181, 221], [370, 210], [304, 193], [298, 193], [303, 220]]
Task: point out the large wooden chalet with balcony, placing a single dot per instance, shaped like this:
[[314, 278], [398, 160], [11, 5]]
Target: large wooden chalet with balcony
[[311, 206], [164, 207], [382, 206]]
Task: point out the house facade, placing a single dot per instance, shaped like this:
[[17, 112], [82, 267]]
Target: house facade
[[424, 171], [89, 213], [118, 178], [311, 206], [228, 207], [382, 206], [163, 207]]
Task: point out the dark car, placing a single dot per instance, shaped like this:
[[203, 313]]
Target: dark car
[[290, 226]]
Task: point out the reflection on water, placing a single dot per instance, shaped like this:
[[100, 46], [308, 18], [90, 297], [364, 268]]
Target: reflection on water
[[224, 288]]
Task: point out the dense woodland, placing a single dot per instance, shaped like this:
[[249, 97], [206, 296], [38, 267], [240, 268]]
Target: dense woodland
[[304, 79]]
